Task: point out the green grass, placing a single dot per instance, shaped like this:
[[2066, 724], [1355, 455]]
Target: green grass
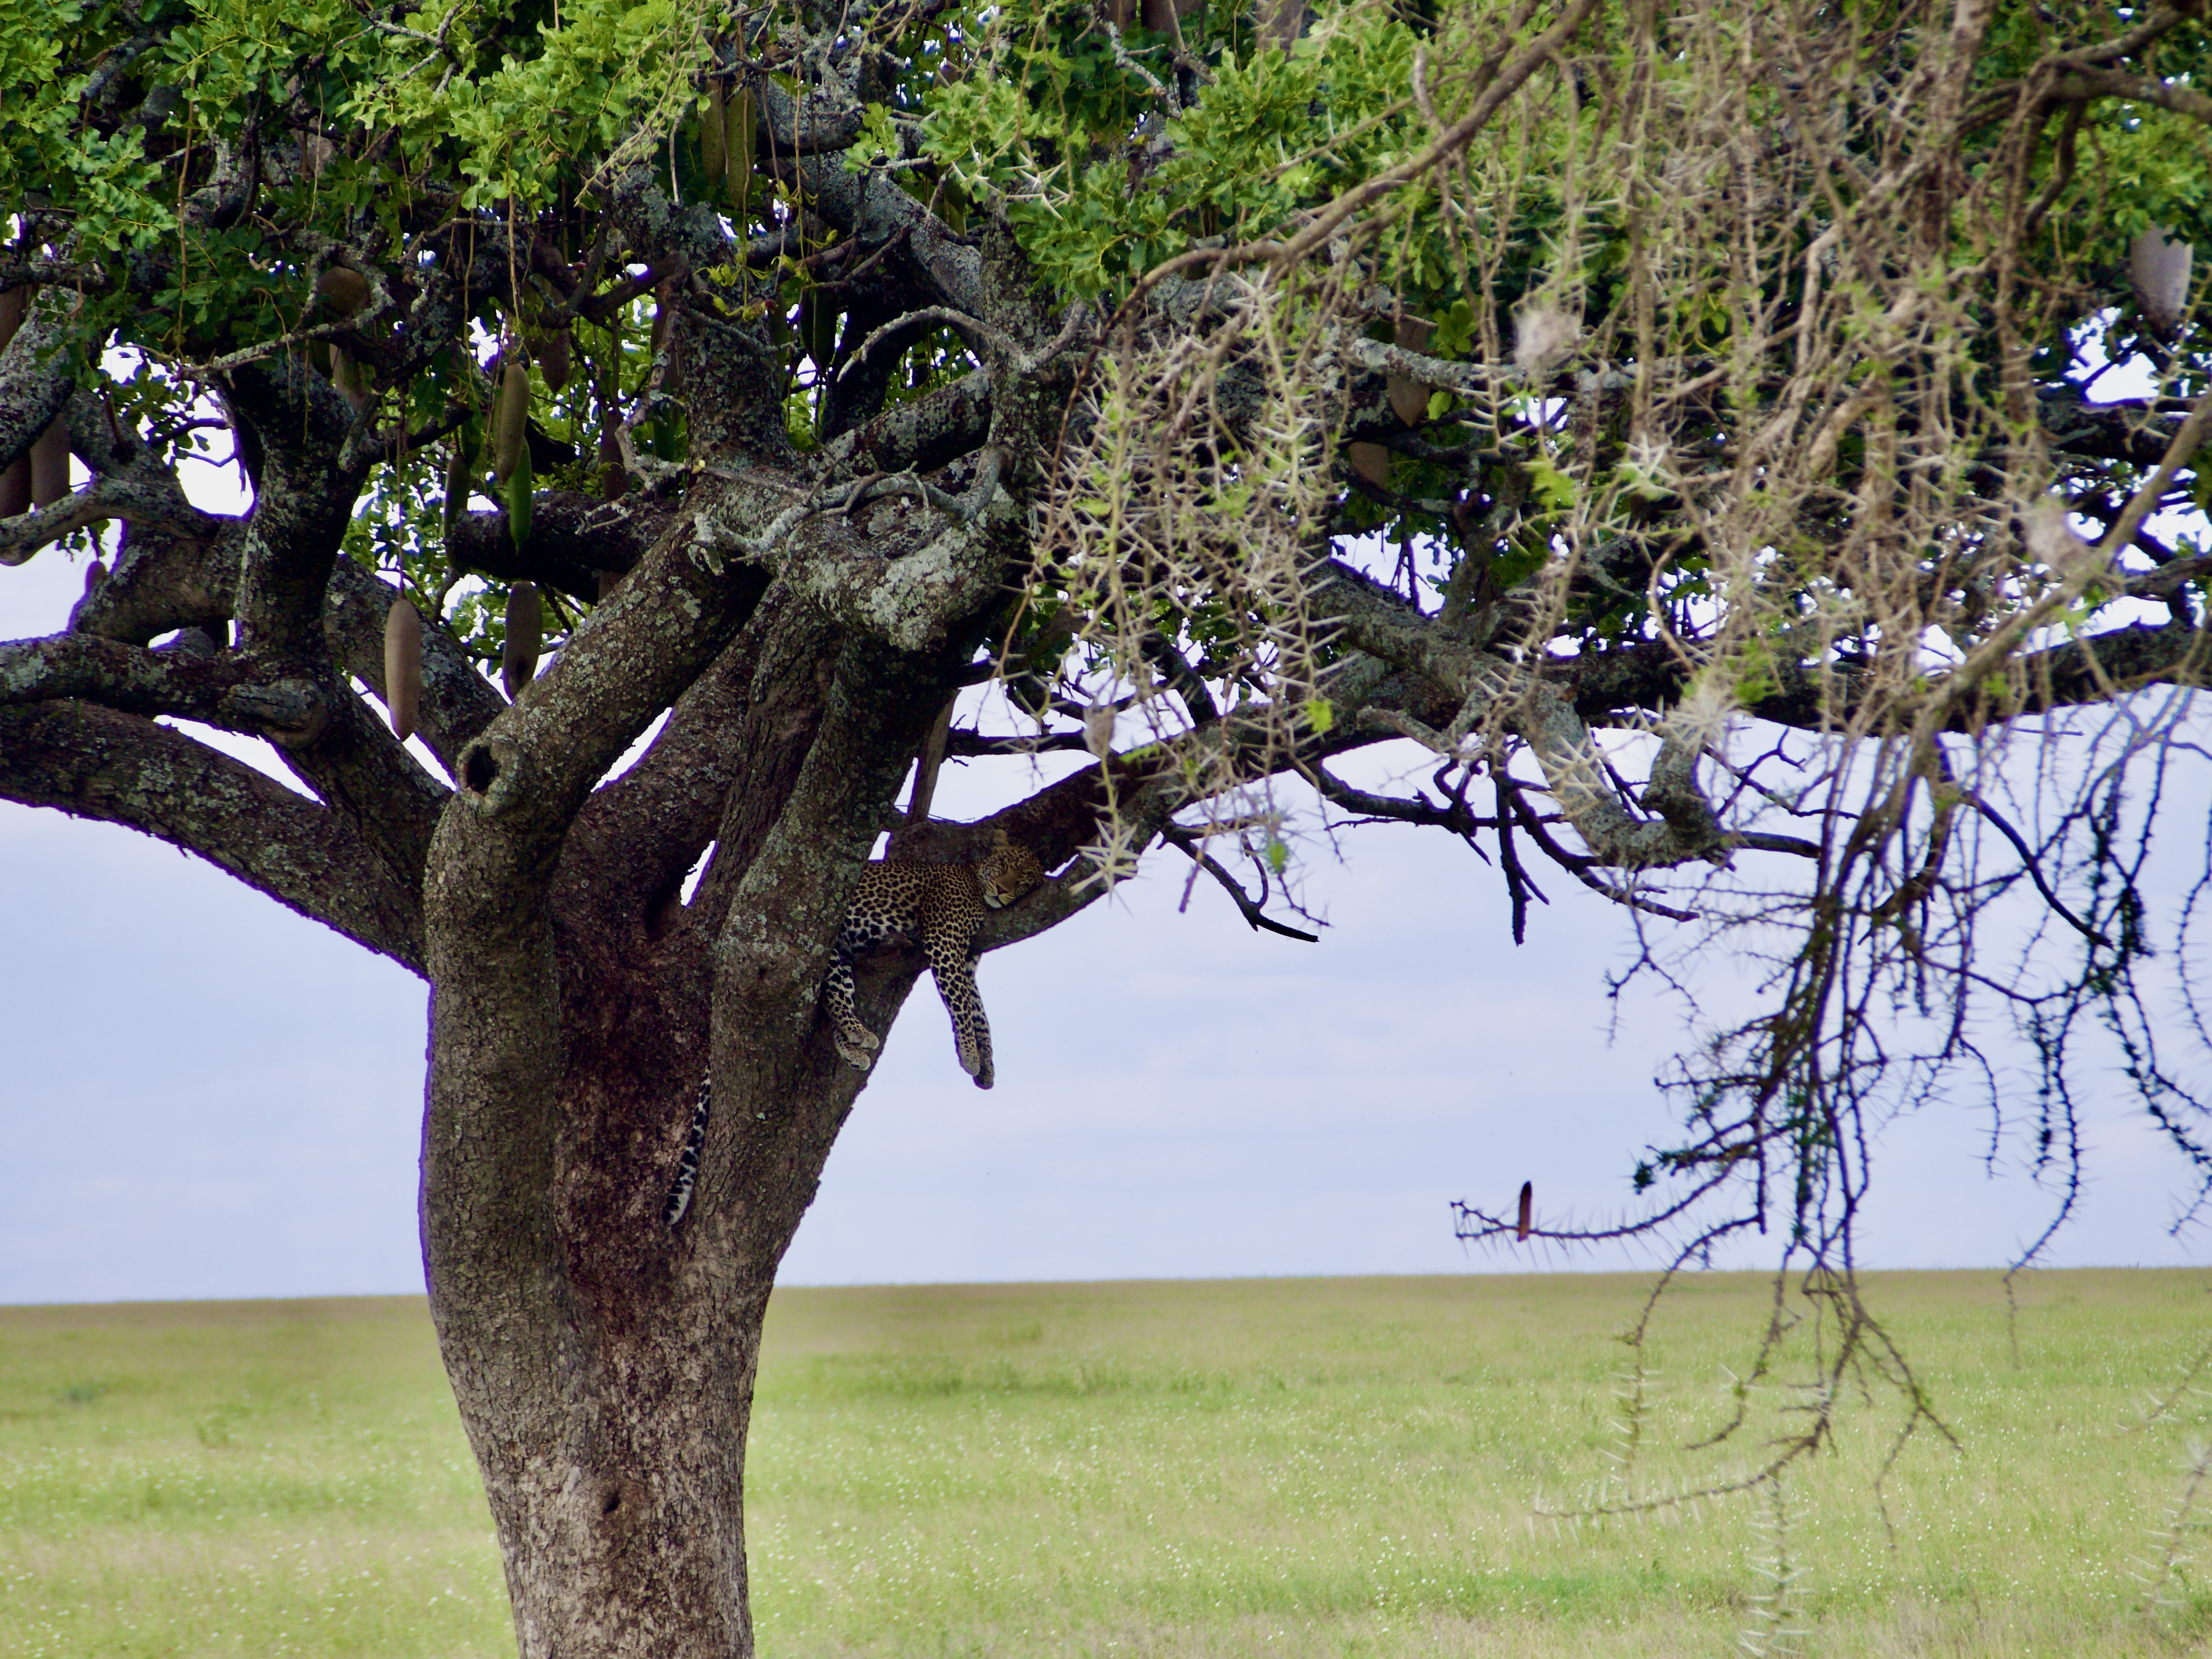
[[1343, 1466]]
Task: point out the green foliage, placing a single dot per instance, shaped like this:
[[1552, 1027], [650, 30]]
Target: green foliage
[[1048, 120], [556, 97], [511, 111]]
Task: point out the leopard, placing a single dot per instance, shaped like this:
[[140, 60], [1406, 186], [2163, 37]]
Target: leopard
[[942, 902]]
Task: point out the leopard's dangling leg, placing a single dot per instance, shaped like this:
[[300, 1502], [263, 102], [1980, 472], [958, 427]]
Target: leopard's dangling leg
[[954, 971], [854, 1039], [687, 1167]]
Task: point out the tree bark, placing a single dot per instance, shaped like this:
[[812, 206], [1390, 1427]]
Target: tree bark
[[603, 1362]]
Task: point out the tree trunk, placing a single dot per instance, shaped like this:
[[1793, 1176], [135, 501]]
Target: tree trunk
[[603, 1361]]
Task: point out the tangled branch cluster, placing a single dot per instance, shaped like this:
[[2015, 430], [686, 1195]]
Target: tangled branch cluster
[[1725, 395]]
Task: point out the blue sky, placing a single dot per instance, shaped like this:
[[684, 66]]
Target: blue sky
[[207, 1096]]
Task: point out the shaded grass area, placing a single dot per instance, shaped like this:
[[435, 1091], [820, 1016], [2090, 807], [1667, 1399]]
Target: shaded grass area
[[1339, 1466]]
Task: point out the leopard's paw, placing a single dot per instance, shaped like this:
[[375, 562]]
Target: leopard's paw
[[977, 1064]]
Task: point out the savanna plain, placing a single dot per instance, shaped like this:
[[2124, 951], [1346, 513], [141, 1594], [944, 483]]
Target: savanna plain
[[1337, 1467]]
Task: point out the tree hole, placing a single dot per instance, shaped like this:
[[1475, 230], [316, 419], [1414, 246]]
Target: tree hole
[[479, 768]]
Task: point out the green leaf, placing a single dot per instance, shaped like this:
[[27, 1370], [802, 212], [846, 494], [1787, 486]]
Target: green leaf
[[1557, 488]]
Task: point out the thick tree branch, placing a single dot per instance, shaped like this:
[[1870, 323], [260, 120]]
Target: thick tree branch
[[942, 563], [1494, 690], [2137, 88], [303, 499], [788, 654], [131, 679], [130, 482], [920, 437], [163, 580], [1648, 677], [772, 949], [739, 417], [573, 539], [870, 208], [523, 778], [720, 771], [2127, 430], [94, 762]]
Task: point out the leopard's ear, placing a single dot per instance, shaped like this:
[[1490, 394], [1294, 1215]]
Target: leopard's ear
[[999, 841]]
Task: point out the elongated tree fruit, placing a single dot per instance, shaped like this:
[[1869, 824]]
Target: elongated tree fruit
[[714, 155], [614, 478], [516, 493], [342, 291], [2158, 266], [1372, 463], [350, 378], [526, 630], [403, 667], [1098, 731], [1525, 1219], [50, 458], [553, 352], [16, 481], [663, 326], [740, 182], [1409, 398], [510, 424], [460, 477]]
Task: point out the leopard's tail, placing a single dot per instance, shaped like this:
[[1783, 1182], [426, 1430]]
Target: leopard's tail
[[687, 1167]]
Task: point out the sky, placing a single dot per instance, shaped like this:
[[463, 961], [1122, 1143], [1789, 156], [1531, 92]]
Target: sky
[[206, 1095]]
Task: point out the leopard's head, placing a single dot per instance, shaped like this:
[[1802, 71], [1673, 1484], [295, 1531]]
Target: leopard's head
[[1007, 872]]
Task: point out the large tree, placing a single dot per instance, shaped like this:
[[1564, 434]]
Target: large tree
[[1282, 380]]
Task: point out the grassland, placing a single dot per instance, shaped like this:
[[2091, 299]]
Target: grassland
[[1306, 1467]]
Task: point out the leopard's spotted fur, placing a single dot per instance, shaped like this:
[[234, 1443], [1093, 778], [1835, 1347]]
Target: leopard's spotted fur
[[942, 902], [687, 1167]]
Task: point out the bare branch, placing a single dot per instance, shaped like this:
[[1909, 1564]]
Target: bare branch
[[1185, 841]]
